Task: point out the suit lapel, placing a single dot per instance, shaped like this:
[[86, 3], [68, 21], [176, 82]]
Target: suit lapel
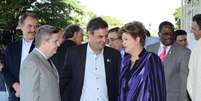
[[32, 46], [54, 70], [83, 52], [107, 61], [169, 56], [19, 53]]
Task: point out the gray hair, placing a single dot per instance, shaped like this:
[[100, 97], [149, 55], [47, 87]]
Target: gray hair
[[22, 18], [44, 32]]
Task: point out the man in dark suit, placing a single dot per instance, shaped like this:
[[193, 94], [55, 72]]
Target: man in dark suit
[[72, 36], [17, 52], [175, 59], [90, 71]]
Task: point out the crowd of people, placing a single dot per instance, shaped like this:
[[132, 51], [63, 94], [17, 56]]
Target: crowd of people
[[123, 63]]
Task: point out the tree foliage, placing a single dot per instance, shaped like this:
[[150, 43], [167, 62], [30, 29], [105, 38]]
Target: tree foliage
[[113, 21], [177, 15], [59, 13]]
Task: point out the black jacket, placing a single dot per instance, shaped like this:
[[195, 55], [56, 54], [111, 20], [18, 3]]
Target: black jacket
[[72, 75]]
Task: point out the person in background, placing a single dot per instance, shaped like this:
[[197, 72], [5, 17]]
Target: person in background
[[73, 35], [141, 75], [115, 41], [150, 39], [180, 37], [39, 79], [16, 53], [194, 82], [175, 59]]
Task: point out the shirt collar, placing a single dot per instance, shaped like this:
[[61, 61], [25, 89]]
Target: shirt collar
[[46, 57], [27, 41], [91, 51], [162, 45]]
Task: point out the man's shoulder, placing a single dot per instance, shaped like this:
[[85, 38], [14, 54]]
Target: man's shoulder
[[32, 58], [180, 48], [78, 47], [13, 45], [111, 49], [76, 50]]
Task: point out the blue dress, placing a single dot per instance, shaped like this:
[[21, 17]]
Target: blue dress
[[145, 81]]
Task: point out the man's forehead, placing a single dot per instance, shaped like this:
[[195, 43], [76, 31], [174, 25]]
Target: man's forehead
[[112, 34], [166, 30], [103, 31]]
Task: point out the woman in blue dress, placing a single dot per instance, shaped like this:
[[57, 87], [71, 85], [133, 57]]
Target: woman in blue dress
[[141, 75]]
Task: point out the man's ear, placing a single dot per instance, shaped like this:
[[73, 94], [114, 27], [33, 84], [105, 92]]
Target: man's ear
[[159, 34], [75, 34]]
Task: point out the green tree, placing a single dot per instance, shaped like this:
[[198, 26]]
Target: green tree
[[54, 12], [113, 21], [10, 11], [177, 15]]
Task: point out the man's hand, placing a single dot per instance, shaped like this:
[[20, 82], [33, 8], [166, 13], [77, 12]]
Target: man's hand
[[16, 87]]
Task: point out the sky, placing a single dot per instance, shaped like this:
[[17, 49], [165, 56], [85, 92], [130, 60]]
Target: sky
[[149, 12]]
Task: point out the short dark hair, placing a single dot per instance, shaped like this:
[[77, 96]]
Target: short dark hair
[[24, 16], [95, 24], [166, 24], [117, 30], [135, 29], [147, 33], [197, 18], [70, 30], [179, 32], [43, 31]]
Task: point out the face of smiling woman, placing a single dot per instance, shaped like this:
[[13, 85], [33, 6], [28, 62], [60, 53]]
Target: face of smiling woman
[[129, 43]]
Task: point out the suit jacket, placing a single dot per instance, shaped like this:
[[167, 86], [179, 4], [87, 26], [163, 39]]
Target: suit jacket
[[74, 68], [12, 65], [59, 57], [39, 80], [176, 71]]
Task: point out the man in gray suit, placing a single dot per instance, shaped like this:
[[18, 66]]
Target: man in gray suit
[[39, 79], [175, 59]]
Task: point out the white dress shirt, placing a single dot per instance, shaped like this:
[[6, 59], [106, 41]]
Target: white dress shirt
[[194, 76], [94, 87], [26, 45], [161, 49]]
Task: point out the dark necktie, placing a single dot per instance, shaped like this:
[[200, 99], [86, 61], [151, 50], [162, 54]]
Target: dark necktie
[[49, 60]]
